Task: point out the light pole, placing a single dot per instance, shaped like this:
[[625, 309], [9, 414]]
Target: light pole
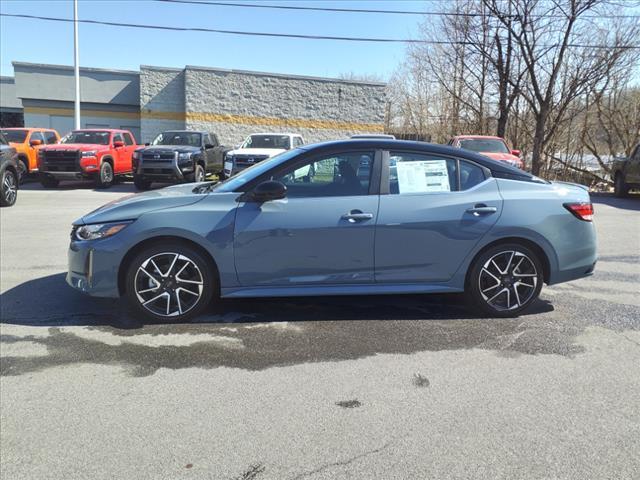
[[76, 64]]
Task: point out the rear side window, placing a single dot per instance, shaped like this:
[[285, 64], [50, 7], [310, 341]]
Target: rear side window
[[415, 173], [128, 140], [297, 142], [117, 137]]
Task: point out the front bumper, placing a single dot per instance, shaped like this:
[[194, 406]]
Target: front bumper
[[159, 170], [93, 266]]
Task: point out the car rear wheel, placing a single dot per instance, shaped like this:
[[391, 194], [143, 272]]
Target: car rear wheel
[[505, 280], [49, 182], [141, 183], [620, 187], [8, 188], [169, 282], [105, 177]]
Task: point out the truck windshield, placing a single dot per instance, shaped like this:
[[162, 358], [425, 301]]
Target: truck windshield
[[484, 145], [16, 136], [267, 141], [192, 139], [93, 137]]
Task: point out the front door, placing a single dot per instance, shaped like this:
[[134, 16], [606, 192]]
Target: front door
[[435, 211], [321, 233]]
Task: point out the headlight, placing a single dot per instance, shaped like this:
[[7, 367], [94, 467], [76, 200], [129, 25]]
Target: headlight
[[184, 156], [97, 230], [90, 153]]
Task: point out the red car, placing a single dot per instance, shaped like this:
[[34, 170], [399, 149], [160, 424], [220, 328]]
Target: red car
[[100, 155], [492, 147]]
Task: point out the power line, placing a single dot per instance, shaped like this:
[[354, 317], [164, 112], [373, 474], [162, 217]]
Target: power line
[[281, 35], [364, 10]]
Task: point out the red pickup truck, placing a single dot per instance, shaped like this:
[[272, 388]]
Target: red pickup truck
[[100, 155]]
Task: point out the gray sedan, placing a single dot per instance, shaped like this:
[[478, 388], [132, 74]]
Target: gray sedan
[[369, 216]]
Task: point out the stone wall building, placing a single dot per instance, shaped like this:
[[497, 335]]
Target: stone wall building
[[231, 103]]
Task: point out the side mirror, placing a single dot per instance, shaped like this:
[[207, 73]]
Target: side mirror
[[269, 190], [35, 142], [118, 144], [147, 144], [516, 152]]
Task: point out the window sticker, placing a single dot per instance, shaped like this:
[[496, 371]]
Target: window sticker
[[423, 176]]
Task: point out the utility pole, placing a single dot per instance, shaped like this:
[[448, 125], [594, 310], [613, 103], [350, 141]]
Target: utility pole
[[76, 64]]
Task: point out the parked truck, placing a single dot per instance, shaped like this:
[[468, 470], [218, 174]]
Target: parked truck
[[178, 156], [100, 155], [626, 173]]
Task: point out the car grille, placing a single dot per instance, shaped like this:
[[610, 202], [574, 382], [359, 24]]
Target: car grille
[[62, 160], [159, 157], [248, 160]]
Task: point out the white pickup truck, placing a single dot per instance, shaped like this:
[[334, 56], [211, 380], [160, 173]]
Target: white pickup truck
[[258, 147]]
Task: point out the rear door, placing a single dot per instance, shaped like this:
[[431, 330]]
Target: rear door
[[322, 233], [433, 211], [129, 147], [119, 155]]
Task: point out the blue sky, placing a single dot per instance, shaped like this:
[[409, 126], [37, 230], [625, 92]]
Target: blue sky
[[123, 48]]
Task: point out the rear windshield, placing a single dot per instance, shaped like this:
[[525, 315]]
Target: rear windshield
[[17, 136], [93, 137], [484, 145]]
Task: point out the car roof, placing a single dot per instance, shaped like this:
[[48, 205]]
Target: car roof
[[185, 131], [30, 129], [276, 133], [478, 137], [497, 168], [111, 130]]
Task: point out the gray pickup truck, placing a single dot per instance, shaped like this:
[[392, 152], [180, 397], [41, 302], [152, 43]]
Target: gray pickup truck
[[626, 173], [178, 156]]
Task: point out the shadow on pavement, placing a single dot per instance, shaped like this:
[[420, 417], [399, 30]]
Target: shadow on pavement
[[632, 202]]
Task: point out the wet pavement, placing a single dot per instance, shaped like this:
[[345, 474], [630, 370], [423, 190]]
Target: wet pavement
[[339, 387]]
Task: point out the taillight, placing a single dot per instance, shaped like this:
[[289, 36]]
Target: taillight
[[582, 211]]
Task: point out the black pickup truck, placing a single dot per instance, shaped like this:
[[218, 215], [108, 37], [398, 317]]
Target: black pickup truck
[[178, 156]]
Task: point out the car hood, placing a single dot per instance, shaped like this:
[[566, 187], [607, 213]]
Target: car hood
[[171, 148], [502, 157], [256, 151], [133, 206], [84, 147]]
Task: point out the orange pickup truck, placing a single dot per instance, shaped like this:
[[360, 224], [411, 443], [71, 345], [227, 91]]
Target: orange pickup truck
[[27, 141]]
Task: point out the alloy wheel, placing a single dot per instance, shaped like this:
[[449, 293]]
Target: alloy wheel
[[9, 185], [168, 284], [508, 280]]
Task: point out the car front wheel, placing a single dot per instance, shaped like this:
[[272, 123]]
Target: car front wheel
[[169, 281], [8, 188], [505, 280], [105, 177]]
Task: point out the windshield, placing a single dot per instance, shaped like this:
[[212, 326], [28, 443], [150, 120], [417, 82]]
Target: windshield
[[192, 139], [267, 141], [17, 136], [484, 145], [236, 182], [93, 137]]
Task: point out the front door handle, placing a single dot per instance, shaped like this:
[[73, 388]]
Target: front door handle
[[481, 209], [357, 216]]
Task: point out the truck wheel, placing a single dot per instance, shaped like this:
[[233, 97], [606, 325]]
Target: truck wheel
[[621, 189], [141, 183], [49, 182], [197, 176], [8, 188], [104, 179]]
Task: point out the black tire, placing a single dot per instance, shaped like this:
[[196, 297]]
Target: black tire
[[142, 287], [198, 174], [521, 273], [141, 183], [23, 169], [105, 177], [49, 182], [8, 188], [621, 189]]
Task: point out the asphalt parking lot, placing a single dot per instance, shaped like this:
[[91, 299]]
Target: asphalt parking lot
[[393, 387]]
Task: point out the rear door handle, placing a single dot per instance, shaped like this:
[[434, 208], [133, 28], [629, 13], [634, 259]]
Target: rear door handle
[[356, 216], [481, 209]]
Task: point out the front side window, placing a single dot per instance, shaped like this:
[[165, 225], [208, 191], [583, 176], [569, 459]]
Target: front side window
[[416, 173], [50, 138], [93, 137], [267, 141], [117, 138], [336, 175], [37, 136]]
